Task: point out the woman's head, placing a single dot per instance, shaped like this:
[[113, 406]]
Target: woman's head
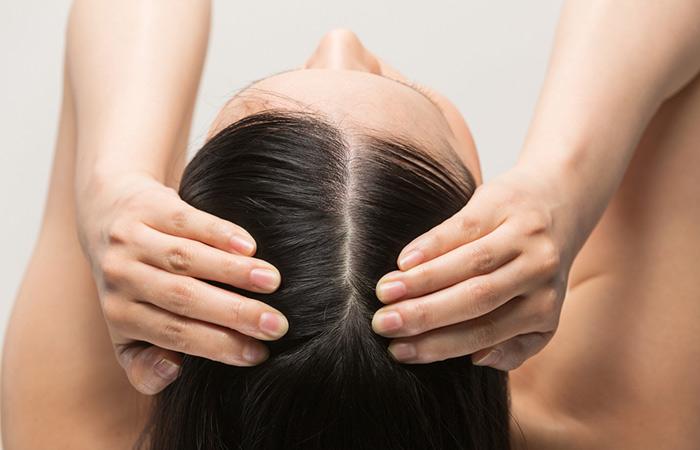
[[331, 197]]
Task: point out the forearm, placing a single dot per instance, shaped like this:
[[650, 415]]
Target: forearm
[[134, 66], [613, 64]]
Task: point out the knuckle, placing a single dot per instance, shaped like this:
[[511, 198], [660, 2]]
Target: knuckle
[[235, 311], [484, 296], [113, 309], [118, 233], [418, 318], [426, 274], [546, 311], [112, 268], [181, 299], [535, 223], [215, 228], [233, 267], [484, 334], [178, 259], [482, 258], [175, 334], [467, 225], [180, 218], [550, 258]]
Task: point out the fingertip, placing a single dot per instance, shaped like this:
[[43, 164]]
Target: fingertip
[[151, 371], [164, 373], [267, 279], [403, 351], [390, 291], [255, 352], [487, 357], [273, 324], [243, 244], [167, 370], [411, 259]]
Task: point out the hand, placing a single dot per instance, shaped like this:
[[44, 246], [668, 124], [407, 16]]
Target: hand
[[147, 248], [488, 281]]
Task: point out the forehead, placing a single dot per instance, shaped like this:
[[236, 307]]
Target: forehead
[[355, 101]]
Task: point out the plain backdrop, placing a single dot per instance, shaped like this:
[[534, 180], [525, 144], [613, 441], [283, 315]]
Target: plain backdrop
[[488, 57]]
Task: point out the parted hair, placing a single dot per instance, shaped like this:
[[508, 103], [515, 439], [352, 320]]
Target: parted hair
[[331, 210]]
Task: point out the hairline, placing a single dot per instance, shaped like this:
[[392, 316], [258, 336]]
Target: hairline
[[252, 84]]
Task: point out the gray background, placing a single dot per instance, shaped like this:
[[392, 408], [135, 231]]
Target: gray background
[[488, 57]]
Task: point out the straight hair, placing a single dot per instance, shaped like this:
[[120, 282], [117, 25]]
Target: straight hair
[[331, 210]]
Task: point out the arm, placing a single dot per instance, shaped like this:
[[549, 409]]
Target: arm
[[122, 133], [613, 64], [135, 66], [490, 281]]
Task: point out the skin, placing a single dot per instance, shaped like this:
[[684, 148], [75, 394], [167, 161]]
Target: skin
[[132, 74], [460, 289], [56, 364], [551, 414], [500, 266], [79, 384], [621, 372]]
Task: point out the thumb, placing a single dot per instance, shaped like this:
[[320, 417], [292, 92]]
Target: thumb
[[150, 369]]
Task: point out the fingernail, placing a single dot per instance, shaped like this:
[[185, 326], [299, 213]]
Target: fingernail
[[411, 259], [391, 290], [254, 353], [491, 357], [166, 369], [387, 321], [273, 324], [242, 244], [403, 351], [264, 278]]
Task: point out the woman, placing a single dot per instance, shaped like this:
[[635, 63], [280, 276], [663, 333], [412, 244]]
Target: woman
[[613, 391], [332, 183], [332, 202]]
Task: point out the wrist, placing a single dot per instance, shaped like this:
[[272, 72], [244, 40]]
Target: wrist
[[98, 191], [93, 179], [566, 195]]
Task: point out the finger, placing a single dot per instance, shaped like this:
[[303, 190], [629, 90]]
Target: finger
[[474, 258], [537, 312], [463, 301], [511, 354], [471, 222], [191, 298], [177, 218], [150, 369], [467, 337], [187, 257], [145, 322]]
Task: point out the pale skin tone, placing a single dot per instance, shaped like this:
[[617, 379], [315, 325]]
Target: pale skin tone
[[133, 228], [552, 414]]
